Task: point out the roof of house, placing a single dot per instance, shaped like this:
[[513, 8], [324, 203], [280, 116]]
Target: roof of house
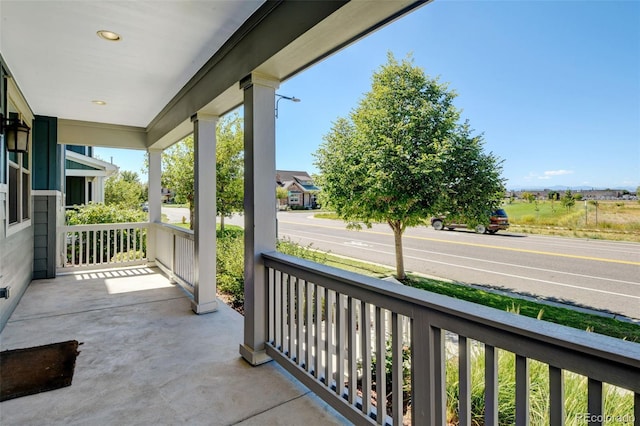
[[83, 165], [286, 178]]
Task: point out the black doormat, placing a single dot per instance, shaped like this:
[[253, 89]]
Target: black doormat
[[39, 369]]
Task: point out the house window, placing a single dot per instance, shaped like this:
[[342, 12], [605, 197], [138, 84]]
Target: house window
[[19, 188], [294, 197]]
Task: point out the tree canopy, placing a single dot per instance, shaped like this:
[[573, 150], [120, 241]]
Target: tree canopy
[[402, 155], [178, 164], [124, 189], [229, 168]]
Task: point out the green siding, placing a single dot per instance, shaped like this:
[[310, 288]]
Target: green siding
[[47, 155], [72, 165]]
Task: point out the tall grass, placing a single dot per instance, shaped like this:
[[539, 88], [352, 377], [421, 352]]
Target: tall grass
[[618, 216], [618, 403]]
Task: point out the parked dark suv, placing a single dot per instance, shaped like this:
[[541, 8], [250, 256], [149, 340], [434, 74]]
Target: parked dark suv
[[497, 221]]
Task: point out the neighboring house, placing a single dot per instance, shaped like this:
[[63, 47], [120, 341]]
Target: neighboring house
[[166, 195], [302, 191], [85, 176]]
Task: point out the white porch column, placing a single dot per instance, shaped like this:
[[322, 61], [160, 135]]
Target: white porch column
[[204, 227], [259, 208], [155, 203]]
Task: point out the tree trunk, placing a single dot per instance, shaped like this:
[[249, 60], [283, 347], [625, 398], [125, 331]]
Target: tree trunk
[[192, 211], [221, 223], [398, 230]]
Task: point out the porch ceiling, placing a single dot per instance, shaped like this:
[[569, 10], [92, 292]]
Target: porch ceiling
[[175, 58]]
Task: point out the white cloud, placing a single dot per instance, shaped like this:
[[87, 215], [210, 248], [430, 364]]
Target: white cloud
[[550, 173]]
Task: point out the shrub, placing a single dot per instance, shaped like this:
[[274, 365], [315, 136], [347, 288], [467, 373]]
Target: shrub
[[128, 256], [230, 261], [111, 243], [92, 213], [286, 246]]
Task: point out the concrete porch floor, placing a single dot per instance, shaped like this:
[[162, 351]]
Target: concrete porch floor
[[148, 359]]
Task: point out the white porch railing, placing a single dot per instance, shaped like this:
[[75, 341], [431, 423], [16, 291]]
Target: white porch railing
[[175, 254], [103, 245], [328, 327]]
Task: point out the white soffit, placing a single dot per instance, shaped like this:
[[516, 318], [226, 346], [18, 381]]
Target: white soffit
[[61, 65]]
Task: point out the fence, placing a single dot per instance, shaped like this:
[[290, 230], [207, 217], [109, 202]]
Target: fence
[[175, 254], [108, 244], [331, 329]]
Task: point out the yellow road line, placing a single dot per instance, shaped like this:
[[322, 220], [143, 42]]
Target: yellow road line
[[545, 253]]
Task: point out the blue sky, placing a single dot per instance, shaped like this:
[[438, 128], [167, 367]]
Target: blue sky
[[554, 86]]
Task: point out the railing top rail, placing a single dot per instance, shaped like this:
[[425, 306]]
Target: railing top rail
[[103, 226], [175, 230], [408, 300]]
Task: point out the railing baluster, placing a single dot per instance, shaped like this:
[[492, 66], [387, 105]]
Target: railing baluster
[[121, 241], [283, 311], [422, 406], [317, 339], [109, 245], [101, 258], [490, 385], [135, 243], [439, 357], [277, 341], [291, 323], [381, 353], [271, 303], [556, 396], [340, 343], [300, 305], [352, 351], [329, 336], [397, 369], [522, 391], [464, 380], [365, 333], [595, 401], [73, 247], [82, 249], [308, 354], [94, 247]]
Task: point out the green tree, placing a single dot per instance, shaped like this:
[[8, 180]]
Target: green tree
[[402, 156], [528, 196], [229, 168], [568, 201], [177, 172], [281, 194], [178, 163], [124, 189]]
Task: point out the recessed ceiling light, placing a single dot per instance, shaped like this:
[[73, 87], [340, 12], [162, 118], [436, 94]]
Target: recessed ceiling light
[[109, 35], [98, 102]]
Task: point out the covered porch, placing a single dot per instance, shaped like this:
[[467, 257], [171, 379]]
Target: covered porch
[[147, 359]]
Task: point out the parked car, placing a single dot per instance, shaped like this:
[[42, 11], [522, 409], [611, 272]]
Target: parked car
[[497, 220], [145, 206]]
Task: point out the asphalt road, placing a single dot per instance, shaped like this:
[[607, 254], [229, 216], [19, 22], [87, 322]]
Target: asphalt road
[[597, 274]]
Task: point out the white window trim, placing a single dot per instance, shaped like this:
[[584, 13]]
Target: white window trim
[[21, 224], [17, 103]]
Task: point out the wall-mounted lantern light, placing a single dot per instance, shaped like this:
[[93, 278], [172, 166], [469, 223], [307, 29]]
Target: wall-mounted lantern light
[[16, 134]]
